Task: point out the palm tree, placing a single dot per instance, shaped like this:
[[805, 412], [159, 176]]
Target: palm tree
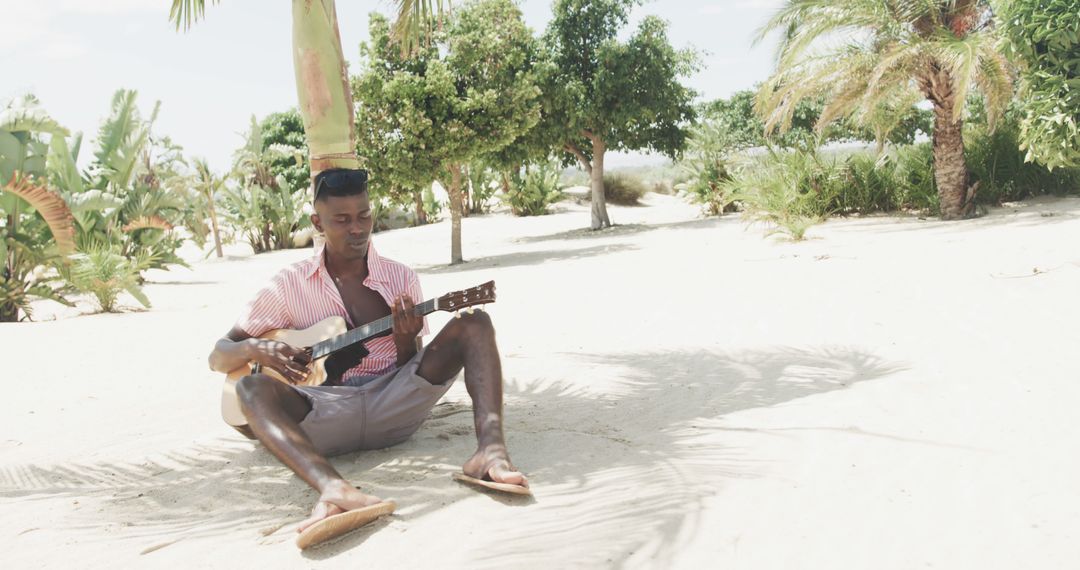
[[208, 184], [322, 81], [862, 55]]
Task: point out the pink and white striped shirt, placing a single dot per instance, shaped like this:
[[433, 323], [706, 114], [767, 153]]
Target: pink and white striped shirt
[[303, 294]]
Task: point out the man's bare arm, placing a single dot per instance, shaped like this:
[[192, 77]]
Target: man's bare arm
[[238, 348]]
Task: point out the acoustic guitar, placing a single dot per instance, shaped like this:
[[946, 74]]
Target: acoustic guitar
[[333, 348]]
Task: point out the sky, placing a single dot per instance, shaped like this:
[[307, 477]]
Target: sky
[[74, 54]]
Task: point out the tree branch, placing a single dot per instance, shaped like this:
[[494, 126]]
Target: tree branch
[[580, 156]]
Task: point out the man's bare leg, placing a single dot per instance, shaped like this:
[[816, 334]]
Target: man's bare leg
[[469, 342], [274, 412]]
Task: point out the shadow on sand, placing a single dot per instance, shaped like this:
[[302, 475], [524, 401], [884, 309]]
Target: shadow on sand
[[525, 258], [656, 433]]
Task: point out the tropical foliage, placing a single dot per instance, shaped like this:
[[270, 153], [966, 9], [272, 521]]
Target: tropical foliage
[[1045, 37], [104, 273], [867, 59], [261, 205], [36, 227], [123, 200], [534, 189]]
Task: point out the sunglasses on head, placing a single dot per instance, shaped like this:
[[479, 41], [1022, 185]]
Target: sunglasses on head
[[340, 180]]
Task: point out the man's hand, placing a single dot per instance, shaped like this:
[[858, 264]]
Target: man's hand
[[289, 361], [407, 324]]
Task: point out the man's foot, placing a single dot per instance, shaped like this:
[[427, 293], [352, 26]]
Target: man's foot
[[492, 463], [336, 501]]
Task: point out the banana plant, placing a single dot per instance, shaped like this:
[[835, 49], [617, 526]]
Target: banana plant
[[38, 227]]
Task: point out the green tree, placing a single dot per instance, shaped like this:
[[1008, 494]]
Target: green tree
[[466, 96], [611, 95], [894, 51], [1044, 35], [284, 132]]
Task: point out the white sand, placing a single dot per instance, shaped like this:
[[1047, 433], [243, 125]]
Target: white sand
[[893, 393]]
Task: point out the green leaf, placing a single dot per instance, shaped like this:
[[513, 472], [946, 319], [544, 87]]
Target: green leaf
[[137, 292], [11, 155], [24, 114]]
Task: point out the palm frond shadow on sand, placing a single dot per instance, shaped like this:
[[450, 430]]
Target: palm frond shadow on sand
[[653, 437]]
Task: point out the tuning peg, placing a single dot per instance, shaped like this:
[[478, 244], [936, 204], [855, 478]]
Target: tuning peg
[[470, 310], [457, 314]]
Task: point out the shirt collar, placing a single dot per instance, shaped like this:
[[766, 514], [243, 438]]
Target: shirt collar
[[376, 265]]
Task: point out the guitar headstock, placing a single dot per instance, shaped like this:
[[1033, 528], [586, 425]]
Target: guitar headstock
[[479, 295]]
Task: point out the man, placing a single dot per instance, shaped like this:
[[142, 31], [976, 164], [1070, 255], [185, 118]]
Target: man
[[384, 399]]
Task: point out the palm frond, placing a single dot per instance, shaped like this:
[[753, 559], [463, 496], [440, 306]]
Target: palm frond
[[52, 208], [416, 20], [186, 12], [148, 222]]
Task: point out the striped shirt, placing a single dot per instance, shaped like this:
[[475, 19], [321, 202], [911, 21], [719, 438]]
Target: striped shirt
[[303, 294]]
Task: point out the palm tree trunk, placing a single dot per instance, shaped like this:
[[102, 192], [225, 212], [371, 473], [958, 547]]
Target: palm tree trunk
[[322, 86], [950, 170], [599, 205], [214, 227]]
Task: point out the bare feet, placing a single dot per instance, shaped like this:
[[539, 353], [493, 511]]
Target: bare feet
[[492, 463], [337, 500]]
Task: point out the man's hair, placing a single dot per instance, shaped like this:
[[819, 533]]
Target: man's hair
[[340, 182]]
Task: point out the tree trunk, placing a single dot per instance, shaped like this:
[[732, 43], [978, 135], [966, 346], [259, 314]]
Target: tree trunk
[[506, 182], [600, 218], [421, 215], [322, 86], [214, 227], [9, 313], [455, 215], [950, 170], [467, 194]]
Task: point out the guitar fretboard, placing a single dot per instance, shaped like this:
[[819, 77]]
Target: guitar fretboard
[[370, 330]]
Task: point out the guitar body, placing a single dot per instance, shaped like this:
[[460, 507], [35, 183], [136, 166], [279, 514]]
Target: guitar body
[[323, 330]]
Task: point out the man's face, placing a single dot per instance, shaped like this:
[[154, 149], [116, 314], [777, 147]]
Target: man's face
[[346, 223]]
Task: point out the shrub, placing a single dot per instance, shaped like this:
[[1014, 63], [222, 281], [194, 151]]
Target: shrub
[[432, 207], [788, 190], [915, 179], [482, 187], [999, 166], [532, 192], [706, 167], [105, 274], [623, 189]]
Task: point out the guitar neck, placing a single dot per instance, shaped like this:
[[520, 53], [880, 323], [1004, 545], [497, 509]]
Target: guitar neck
[[373, 329]]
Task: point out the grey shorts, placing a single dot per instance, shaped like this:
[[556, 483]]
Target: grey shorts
[[382, 412]]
